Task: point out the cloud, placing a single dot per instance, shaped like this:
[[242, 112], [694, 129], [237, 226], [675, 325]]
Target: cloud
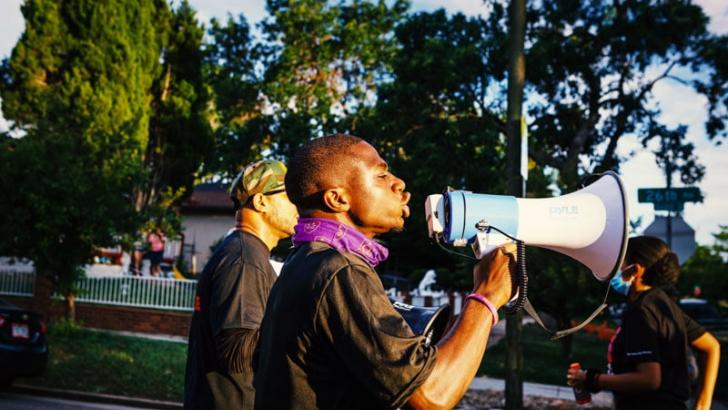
[[681, 105], [467, 7], [11, 26], [718, 12]]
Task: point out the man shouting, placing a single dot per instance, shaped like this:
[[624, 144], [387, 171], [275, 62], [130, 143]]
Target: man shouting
[[330, 337]]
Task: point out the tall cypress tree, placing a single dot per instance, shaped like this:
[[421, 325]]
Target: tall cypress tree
[[179, 134]]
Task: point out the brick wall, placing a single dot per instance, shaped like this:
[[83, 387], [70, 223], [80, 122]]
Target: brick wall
[[151, 321], [129, 319]]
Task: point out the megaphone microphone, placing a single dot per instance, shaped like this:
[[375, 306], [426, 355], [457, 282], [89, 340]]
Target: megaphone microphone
[[589, 225]]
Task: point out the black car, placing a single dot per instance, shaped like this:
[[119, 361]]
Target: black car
[[23, 344], [708, 315]]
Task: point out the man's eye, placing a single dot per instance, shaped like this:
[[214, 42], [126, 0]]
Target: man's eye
[[382, 176]]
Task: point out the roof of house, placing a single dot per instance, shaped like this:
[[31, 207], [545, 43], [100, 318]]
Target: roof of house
[[208, 198]]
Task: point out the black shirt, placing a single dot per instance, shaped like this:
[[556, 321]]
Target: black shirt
[[229, 305], [331, 339], [655, 329]]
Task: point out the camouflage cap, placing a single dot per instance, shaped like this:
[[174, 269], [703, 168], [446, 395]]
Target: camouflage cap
[[262, 177]]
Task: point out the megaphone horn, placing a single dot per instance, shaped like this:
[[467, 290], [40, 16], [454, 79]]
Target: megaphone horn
[[589, 225]]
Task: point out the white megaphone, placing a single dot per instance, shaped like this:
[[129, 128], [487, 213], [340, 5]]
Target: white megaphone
[[589, 225]]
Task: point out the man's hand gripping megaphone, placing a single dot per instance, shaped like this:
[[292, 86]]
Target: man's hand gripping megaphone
[[496, 284]]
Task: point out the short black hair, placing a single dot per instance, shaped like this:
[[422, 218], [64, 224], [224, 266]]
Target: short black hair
[[661, 264], [315, 167]]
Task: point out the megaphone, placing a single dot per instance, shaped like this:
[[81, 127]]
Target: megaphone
[[589, 225]]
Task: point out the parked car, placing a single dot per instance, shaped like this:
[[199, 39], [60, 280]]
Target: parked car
[[710, 316], [23, 344]]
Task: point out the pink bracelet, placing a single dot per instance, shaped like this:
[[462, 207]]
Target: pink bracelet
[[482, 299]]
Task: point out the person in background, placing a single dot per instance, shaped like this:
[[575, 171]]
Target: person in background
[[156, 241], [647, 357], [232, 291]]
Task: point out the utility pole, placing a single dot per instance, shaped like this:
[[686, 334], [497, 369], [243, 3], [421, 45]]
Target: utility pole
[[516, 187], [668, 174]]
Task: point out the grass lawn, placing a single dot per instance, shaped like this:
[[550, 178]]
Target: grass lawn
[[542, 358], [99, 362]]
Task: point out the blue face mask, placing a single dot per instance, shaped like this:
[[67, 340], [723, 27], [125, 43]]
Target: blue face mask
[[620, 285]]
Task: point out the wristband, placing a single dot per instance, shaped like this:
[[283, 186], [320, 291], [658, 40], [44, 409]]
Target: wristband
[[590, 384], [482, 299]]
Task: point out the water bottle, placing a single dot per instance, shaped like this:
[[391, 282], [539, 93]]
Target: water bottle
[[580, 395]]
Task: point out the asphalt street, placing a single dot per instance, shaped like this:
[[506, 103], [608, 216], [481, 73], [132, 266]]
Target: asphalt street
[[12, 401]]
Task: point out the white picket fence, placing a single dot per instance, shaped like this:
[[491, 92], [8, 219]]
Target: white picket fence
[[160, 293], [13, 283], [134, 291]]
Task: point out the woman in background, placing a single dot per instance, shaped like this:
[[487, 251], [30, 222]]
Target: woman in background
[[647, 357], [156, 241]]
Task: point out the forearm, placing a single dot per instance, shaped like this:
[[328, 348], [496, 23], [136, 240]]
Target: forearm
[[629, 382], [710, 374], [458, 358]]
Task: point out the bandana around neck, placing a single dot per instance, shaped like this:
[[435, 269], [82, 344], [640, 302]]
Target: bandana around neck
[[340, 237]]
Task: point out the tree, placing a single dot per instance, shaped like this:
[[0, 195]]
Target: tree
[[179, 135], [240, 129], [433, 110], [707, 268], [591, 72], [76, 89], [324, 61]]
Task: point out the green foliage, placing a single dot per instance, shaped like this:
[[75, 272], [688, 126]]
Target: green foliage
[[589, 65], [77, 89], [435, 109], [708, 269], [240, 130], [323, 63], [179, 135]]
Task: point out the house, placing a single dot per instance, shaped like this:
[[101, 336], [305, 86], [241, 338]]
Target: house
[[207, 215]]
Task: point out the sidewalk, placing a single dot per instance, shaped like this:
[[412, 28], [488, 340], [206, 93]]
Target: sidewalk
[[548, 391], [603, 399]]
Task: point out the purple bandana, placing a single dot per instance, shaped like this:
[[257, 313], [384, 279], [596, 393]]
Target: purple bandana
[[340, 237]]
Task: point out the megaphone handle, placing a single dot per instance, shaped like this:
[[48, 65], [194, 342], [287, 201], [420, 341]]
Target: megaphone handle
[[520, 281]]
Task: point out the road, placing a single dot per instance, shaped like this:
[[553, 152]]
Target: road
[[12, 401]]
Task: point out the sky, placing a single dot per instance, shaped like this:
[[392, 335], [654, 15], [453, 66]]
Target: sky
[[678, 103]]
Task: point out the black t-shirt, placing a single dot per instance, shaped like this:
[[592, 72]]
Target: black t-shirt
[[229, 305], [655, 329], [330, 338]]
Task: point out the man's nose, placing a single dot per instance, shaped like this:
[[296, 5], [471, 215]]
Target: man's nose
[[398, 185]]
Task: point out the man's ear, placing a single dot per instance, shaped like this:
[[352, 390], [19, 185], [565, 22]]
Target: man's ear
[[337, 200], [259, 202]]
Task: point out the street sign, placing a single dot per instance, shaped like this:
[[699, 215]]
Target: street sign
[[669, 197]]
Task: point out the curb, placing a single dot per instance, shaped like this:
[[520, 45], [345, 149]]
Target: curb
[[94, 397]]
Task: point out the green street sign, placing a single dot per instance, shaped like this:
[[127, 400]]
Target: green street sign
[[669, 196]]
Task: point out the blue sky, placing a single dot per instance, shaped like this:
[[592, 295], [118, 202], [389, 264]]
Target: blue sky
[[678, 103]]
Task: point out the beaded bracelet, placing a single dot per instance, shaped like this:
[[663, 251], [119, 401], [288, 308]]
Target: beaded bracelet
[[482, 299]]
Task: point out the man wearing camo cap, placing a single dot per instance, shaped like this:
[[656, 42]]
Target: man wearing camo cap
[[233, 289]]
